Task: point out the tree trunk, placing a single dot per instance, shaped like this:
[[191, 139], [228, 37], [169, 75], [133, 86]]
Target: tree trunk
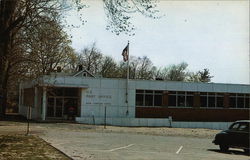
[[7, 10], [4, 63]]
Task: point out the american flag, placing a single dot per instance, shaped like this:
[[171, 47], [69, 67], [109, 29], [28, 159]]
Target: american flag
[[125, 54]]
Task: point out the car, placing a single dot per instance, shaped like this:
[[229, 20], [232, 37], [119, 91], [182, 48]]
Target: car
[[236, 136]]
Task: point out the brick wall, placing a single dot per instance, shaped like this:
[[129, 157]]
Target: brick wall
[[193, 114]]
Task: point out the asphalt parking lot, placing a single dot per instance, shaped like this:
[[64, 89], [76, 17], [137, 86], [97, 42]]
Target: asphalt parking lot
[[86, 142], [129, 146]]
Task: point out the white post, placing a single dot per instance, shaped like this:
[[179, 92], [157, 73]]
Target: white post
[[44, 103], [170, 121]]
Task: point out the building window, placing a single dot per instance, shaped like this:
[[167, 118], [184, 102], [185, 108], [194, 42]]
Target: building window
[[247, 101], [172, 98], [139, 99], [71, 92], [211, 100], [232, 100], [190, 99], [240, 101], [203, 99], [219, 100], [180, 99], [158, 98], [84, 74], [148, 98]]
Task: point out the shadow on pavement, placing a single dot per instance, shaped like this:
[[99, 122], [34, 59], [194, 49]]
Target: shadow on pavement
[[14, 117], [235, 152]]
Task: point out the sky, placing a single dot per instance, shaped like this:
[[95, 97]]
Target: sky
[[205, 34]]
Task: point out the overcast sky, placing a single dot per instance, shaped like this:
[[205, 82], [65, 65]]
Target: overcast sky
[[205, 34]]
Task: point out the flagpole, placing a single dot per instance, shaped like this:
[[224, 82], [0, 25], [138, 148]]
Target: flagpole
[[127, 80]]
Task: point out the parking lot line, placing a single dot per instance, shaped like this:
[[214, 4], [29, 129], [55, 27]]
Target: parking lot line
[[111, 150], [178, 151]]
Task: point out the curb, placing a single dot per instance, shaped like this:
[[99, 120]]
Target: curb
[[57, 149]]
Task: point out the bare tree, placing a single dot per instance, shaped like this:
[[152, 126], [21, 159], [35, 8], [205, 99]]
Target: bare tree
[[19, 15], [15, 17], [119, 13], [174, 72], [49, 47], [109, 68], [91, 58], [144, 69]]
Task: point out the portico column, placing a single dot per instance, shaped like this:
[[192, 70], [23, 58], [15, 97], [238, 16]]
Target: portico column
[[44, 104]]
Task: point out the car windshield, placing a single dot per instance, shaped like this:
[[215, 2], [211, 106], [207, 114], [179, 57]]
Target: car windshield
[[239, 127], [234, 126], [244, 127]]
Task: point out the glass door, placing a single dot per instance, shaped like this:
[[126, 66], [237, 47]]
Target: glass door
[[50, 108], [59, 107], [55, 107]]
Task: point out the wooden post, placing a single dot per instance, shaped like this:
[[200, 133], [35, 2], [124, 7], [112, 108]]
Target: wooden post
[[28, 120]]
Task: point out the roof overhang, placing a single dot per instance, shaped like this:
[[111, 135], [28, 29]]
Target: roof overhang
[[65, 85]]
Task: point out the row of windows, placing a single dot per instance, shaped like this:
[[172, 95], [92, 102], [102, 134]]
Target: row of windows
[[186, 99]]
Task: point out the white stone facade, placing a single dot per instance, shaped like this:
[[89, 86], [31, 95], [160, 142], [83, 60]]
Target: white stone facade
[[98, 93]]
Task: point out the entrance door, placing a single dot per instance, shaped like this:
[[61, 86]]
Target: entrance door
[[55, 107], [50, 107], [71, 102], [59, 107]]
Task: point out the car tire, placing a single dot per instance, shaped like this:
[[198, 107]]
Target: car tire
[[224, 148]]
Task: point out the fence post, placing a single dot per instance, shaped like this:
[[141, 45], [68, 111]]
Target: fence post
[[170, 121], [105, 116], [28, 120]]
